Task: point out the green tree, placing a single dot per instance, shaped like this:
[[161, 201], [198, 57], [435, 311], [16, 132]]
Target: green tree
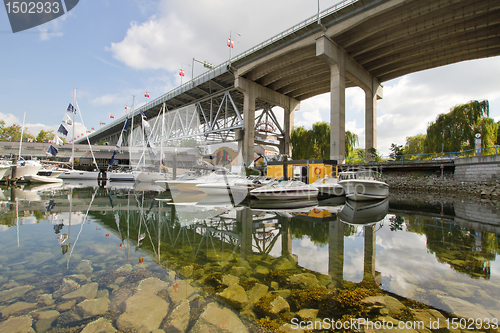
[[315, 143], [301, 143], [320, 134], [13, 132], [351, 140], [455, 130], [44, 135], [414, 144], [396, 151]]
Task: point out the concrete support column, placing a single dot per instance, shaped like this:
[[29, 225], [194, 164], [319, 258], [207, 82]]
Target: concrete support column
[[336, 59], [249, 123], [371, 96], [370, 251], [289, 114]]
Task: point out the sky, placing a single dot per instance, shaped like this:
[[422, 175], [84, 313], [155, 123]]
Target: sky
[[111, 50]]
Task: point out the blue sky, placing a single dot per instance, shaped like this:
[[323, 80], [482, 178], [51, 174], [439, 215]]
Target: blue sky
[[111, 50]]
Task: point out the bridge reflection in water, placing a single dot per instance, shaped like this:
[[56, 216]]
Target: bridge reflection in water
[[417, 254]]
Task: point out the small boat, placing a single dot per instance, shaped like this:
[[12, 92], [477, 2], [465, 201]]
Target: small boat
[[121, 176], [50, 171], [329, 187], [27, 168], [79, 174], [284, 190], [42, 179], [362, 185]]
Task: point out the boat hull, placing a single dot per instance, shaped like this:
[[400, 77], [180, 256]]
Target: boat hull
[[148, 177], [121, 176], [42, 179], [365, 190], [78, 174]]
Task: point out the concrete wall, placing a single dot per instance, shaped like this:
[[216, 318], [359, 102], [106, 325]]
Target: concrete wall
[[478, 168]]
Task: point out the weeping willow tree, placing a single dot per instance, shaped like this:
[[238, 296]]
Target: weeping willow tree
[[315, 143], [455, 130]]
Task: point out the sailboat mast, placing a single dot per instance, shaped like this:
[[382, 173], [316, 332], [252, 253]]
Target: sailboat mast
[[22, 132], [162, 136], [131, 141], [73, 130]]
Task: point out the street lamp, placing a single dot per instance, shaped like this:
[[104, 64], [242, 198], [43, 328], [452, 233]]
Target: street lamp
[[181, 71], [230, 43], [206, 64]]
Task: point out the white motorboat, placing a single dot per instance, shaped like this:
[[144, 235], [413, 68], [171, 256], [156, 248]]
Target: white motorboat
[[329, 187], [121, 176], [27, 168], [42, 179], [52, 172], [79, 174], [362, 186], [364, 212], [190, 185], [284, 190]]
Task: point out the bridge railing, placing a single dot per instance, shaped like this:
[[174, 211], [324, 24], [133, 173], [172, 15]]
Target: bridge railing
[[429, 158]]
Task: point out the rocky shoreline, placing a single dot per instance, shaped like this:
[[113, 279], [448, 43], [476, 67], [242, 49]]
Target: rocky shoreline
[[412, 183]]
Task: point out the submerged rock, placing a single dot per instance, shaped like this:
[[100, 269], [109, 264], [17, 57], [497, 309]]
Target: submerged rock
[[93, 307], [87, 291], [101, 325], [44, 320], [66, 305], [235, 296], [178, 320], [304, 280], [257, 292], [16, 307], [14, 293], [143, 312], [218, 319], [152, 285], [180, 290], [85, 268], [67, 286], [17, 325]]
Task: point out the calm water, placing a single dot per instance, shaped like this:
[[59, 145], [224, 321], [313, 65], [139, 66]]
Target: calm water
[[443, 256]]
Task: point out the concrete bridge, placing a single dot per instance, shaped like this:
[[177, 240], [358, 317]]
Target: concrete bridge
[[354, 43]]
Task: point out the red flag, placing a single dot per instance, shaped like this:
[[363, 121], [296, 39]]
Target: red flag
[[92, 128], [181, 72], [111, 116], [125, 107], [230, 43], [146, 94]]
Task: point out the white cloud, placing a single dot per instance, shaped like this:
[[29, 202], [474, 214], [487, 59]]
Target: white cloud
[[107, 99], [53, 28]]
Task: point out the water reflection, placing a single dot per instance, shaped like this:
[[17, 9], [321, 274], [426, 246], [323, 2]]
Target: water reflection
[[442, 261]]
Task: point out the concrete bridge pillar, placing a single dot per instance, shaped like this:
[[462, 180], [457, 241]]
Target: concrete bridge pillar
[[251, 91], [343, 67], [336, 252], [335, 58]]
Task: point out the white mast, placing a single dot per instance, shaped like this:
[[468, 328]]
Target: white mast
[[162, 136], [73, 134], [22, 132], [131, 140]]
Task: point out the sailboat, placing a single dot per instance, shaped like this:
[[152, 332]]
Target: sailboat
[[24, 168], [78, 174]]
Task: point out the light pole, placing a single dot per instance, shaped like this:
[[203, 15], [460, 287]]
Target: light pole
[[206, 64], [181, 71], [230, 43]]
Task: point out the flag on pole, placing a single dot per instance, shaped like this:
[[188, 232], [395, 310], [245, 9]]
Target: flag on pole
[[92, 128], [143, 114], [230, 43], [52, 150], [112, 160], [71, 108], [125, 107], [111, 116], [57, 141], [67, 120], [101, 123], [62, 130], [181, 72], [119, 143], [127, 123], [146, 94]]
